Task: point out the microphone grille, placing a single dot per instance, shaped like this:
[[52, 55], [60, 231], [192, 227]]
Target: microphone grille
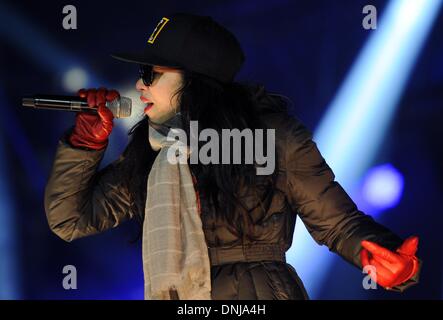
[[121, 108]]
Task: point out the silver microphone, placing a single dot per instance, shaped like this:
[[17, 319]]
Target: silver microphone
[[120, 107]]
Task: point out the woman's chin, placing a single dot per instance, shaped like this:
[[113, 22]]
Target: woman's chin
[[159, 120], [154, 119]]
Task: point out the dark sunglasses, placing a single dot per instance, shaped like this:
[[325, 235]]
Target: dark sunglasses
[[147, 74]]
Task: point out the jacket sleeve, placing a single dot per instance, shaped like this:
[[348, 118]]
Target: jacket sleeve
[[329, 214], [80, 200]]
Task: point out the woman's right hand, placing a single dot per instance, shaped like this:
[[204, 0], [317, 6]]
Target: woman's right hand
[[92, 130]]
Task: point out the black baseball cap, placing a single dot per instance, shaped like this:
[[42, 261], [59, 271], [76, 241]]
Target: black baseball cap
[[196, 43]]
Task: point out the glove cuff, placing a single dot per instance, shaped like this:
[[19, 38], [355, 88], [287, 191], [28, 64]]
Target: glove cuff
[[78, 142], [414, 268]]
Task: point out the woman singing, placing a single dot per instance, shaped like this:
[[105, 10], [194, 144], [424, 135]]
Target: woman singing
[[212, 229]]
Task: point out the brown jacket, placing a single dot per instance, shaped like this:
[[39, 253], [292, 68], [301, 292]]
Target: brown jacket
[[81, 201]]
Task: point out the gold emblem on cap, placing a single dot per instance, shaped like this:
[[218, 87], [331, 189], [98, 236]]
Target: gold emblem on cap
[[157, 29]]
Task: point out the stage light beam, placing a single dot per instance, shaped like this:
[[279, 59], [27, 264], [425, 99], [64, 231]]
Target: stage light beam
[[356, 121]]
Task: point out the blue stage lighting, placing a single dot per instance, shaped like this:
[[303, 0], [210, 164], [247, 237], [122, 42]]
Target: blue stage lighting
[[355, 123], [383, 187], [9, 288], [74, 79]]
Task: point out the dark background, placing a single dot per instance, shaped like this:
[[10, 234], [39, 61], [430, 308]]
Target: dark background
[[302, 49]]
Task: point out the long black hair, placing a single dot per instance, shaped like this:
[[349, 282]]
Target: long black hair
[[218, 106]]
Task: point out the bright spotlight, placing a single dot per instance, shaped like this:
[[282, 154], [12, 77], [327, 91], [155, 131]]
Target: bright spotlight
[[75, 78], [383, 187]]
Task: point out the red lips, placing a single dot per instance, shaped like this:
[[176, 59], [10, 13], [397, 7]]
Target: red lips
[[144, 100]]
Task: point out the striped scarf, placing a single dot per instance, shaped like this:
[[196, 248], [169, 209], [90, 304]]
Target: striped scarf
[[175, 255]]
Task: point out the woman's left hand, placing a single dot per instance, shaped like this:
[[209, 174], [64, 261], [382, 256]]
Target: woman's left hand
[[391, 268]]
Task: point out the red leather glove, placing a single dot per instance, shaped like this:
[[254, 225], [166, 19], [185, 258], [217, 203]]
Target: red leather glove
[[392, 268], [92, 130]]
